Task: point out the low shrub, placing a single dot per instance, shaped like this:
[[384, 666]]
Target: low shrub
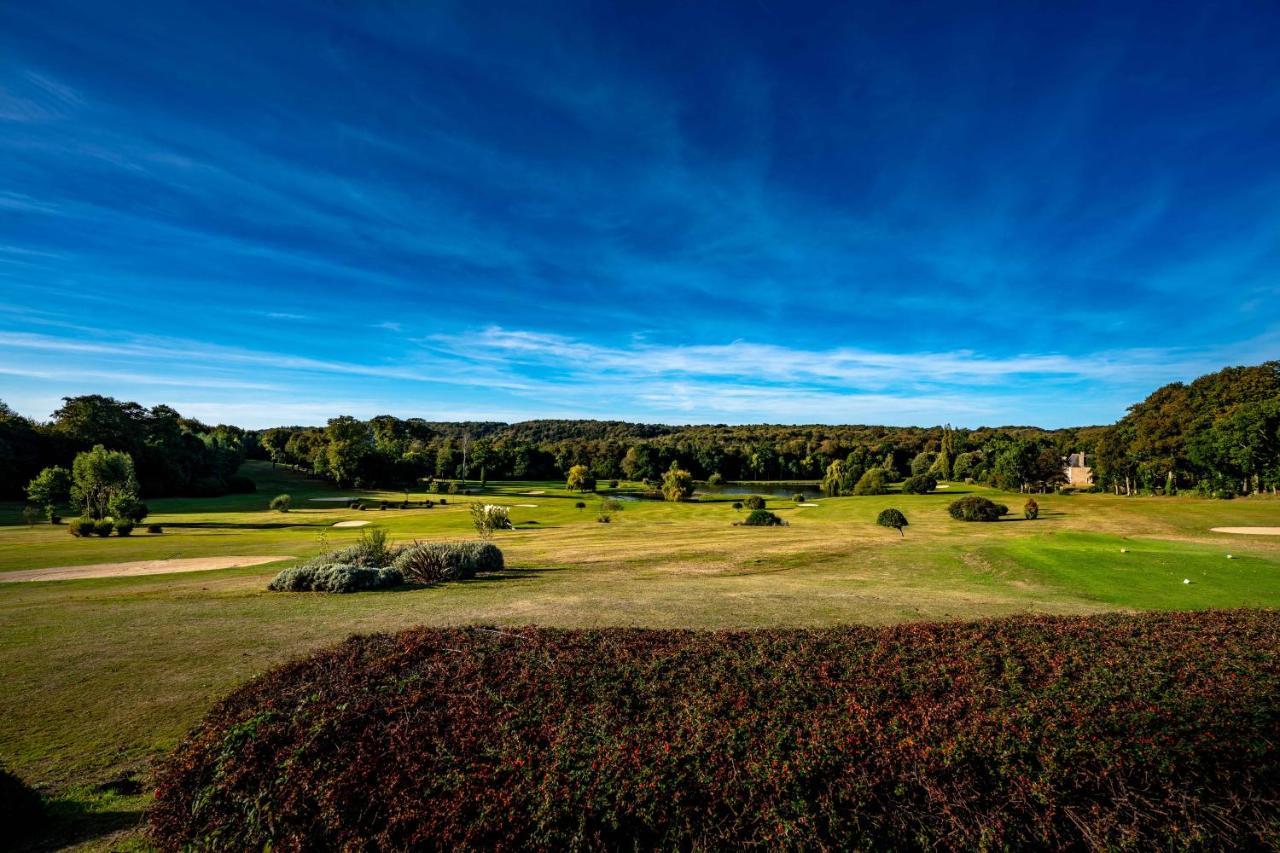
[[54, 518], [103, 528], [920, 484], [892, 518], [754, 502], [613, 484], [976, 508], [240, 485], [579, 505], [22, 810], [371, 550], [281, 503], [81, 527], [715, 479], [762, 518], [31, 514], [798, 497], [334, 577], [154, 528], [124, 528], [1023, 733], [435, 562], [1031, 509], [738, 505]]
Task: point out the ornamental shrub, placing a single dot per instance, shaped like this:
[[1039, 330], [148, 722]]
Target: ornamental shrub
[[81, 527], [281, 503], [920, 484], [124, 528], [762, 518], [798, 497], [334, 577], [976, 508], [1035, 732], [103, 528], [754, 502], [1031, 509], [892, 518], [154, 528], [434, 562]]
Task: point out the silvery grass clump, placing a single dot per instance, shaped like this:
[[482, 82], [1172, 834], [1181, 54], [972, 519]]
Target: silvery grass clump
[[334, 578], [433, 562]]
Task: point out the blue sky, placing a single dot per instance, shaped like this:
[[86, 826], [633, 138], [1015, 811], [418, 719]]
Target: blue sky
[[691, 212]]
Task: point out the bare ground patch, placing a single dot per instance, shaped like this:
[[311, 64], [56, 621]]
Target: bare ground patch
[[136, 568]]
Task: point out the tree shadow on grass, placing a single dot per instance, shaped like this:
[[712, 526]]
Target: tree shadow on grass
[[72, 821], [490, 577], [225, 525]]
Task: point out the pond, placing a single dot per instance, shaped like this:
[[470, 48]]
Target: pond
[[810, 490]]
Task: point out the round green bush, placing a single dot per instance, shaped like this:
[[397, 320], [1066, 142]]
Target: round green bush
[[754, 502], [892, 518], [920, 484], [124, 528], [281, 503], [976, 508], [154, 528], [81, 527], [762, 518], [103, 528]]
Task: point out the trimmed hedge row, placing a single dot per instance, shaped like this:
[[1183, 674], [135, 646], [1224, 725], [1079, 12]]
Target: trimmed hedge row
[[1148, 731]]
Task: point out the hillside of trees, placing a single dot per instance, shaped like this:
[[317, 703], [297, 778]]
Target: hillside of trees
[[172, 455], [1218, 435]]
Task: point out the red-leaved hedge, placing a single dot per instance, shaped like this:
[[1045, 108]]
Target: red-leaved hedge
[[1148, 731]]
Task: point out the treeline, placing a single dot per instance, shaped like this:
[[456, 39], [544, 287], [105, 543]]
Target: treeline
[[171, 455], [1219, 435], [389, 452]]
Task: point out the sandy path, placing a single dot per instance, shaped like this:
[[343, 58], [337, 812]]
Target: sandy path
[[1256, 531], [138, 567], [350, 524]]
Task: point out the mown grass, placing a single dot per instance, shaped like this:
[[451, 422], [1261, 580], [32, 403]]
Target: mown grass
[[101, 675]]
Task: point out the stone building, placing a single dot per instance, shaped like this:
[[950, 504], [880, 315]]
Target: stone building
[[1077, 472]]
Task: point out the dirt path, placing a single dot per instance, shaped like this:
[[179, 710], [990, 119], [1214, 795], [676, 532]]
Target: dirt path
[[133, 569]]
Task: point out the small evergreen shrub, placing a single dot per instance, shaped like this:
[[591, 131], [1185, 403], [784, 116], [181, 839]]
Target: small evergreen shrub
[[754, 502], [920, 484], [81, 527], [762, 518], [434, 562], [334, 577], [124, 528], [579, 505], [1031, 509], [892, 518], [154, 528], [613, 484], [798, 497], [737, 506], [54, 518], [715, 479], [103, 528], [281, 503], [976, 508]]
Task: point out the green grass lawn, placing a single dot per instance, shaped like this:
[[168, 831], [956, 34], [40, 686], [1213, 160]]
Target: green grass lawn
[[100, 675]]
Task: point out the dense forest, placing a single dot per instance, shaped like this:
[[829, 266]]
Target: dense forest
[[1218, 435], [172, 455]]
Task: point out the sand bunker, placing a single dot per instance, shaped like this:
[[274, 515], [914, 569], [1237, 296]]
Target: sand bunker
[[527, 506], [334, 500], [808, 504], [138, 567], [1256, 531], [944, 485], [350, 524], [539, 492]]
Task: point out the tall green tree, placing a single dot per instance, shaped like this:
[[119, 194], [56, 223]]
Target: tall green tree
[[99, 477]]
